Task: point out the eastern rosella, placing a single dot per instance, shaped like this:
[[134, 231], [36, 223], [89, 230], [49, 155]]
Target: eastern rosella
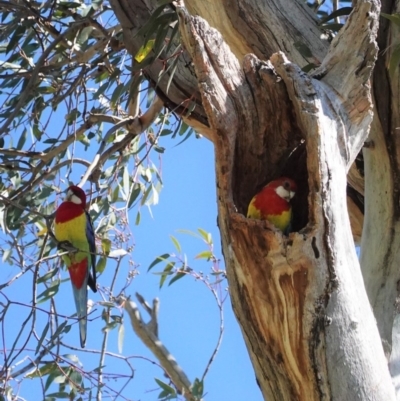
[[272, 203], [73, 224]]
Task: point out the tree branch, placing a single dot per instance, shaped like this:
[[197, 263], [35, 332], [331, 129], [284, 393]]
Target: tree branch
[[135, 126], [148, 333]]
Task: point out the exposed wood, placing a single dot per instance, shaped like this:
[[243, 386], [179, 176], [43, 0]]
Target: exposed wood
[[264, 27], [254, 112], [294, 298]]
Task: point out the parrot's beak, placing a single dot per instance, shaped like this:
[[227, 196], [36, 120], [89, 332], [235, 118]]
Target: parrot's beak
[[285, 193], [289, 195], [71, 197]]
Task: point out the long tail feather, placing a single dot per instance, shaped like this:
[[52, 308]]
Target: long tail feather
[[79, 274], [80, 297]]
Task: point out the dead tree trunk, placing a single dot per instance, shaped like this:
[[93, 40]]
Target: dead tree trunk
[[300, 300]]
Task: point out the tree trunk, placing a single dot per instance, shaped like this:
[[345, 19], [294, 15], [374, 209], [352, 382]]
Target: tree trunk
[[300, 300]]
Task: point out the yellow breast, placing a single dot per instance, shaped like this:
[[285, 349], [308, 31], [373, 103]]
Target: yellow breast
[[73, 230]]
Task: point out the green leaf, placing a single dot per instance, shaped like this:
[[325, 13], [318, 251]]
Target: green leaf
[[18, 33], [166, 272], [188, 232], [159, 259], [204, 255], [395, 18], [110, 326], [166, 132], [146, 195], [22, 139], [205, 235], [42, 337], [188, 135], [55, 373], [62, 328], [152, 23], [171, 41], [117, 94], [101, 90], [43, 370], [37, 132], [72, 116], [49, 292], [106, 245], [47, 276], [198, 388], [177, 277], [165, 387], [171, 75], [101, 265], [137, 221], [176, 243], [59, 394], [76, 378], [135, 192]]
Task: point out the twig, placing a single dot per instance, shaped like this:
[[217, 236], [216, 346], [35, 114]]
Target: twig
[[135, 127], [147, 333], [32, 81]]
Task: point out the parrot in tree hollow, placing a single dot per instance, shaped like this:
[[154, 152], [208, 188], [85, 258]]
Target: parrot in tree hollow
[[73, 224], [272, 203]]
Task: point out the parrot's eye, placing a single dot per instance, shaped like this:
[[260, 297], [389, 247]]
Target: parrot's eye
[[286, 185]]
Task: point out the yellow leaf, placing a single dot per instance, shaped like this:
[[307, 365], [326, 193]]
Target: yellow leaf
[[106, 246], [144, 50], [42, 232], [101, 265]]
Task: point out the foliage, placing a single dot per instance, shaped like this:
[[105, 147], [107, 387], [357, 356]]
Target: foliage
[[70, 100]]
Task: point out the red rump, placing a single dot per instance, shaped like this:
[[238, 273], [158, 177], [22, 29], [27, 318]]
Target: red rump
[[77, 272]]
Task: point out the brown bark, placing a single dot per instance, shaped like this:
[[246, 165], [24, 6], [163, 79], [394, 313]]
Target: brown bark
[[294, 297], [300, 300]]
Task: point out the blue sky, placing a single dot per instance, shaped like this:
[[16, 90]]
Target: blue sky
[[188, 312], [189, 318]]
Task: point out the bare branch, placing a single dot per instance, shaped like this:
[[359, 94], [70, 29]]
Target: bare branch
[[147, 333]]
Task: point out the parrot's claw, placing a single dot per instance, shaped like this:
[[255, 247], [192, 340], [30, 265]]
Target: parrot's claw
[[66, 246]]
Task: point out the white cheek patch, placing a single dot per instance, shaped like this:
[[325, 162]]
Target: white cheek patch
[[284, 193], [75, 199]]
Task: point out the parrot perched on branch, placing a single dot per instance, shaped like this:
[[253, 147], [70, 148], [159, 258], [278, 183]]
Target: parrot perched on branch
[[272, 203], [73, 225]]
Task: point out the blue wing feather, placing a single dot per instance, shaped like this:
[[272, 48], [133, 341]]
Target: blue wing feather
[[92, 247]]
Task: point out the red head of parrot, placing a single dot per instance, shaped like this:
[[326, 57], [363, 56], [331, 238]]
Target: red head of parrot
[[272, 203], [73, 224]]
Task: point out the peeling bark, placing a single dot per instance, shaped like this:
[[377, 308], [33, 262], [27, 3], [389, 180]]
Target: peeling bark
[[294, 297], [300, 300]]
